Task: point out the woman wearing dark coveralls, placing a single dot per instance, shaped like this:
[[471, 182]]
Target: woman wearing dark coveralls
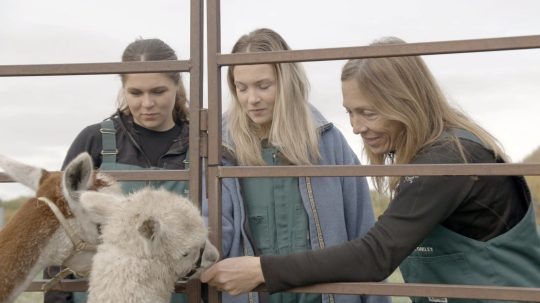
[[149, 130], [270, 122], [438, 229]]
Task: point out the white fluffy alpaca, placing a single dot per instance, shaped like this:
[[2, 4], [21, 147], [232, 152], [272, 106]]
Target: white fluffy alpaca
[[151, 239]]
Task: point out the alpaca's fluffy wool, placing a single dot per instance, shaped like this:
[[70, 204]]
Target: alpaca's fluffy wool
[[151, 239]]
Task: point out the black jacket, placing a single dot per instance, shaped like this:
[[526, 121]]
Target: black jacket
[[129, 142], [479, 207]]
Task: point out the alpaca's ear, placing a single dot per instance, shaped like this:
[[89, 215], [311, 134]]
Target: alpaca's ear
[[77, 176], [149, 228], [27, 175], [99, 206]]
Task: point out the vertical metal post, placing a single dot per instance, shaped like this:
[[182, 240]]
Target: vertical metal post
[[193, 289], [195, 96], [214, 129], [2, 215]]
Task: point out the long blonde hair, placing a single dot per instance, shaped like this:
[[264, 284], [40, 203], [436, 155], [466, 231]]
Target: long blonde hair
[[292, 129], [402, 89]]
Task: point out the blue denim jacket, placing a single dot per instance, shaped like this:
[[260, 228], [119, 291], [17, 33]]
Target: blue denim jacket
[[339, 208]]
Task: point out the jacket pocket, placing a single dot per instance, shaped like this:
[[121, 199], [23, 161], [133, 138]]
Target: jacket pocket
[[301, 229], [260, 230], [443, 269]]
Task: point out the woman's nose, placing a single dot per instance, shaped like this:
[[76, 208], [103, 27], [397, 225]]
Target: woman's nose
[[253, 97], [148, 101], [358, 125]]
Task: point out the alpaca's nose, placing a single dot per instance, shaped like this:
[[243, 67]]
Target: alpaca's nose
[[210, 255]]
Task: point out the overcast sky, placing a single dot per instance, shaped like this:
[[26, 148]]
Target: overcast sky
[[40, 116]]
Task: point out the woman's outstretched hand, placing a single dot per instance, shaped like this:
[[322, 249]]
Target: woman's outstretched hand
[[234, 275]]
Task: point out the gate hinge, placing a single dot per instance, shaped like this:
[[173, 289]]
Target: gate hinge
[[203, 143]]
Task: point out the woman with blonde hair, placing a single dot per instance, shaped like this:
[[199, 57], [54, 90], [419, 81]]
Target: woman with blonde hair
[[438, 229], [270, 122]]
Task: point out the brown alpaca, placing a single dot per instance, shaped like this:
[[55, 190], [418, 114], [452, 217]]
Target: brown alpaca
[[34, 238]]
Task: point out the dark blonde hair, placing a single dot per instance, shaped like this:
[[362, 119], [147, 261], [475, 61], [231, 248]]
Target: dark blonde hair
[[292, 129], [402, 89], [156, 50]]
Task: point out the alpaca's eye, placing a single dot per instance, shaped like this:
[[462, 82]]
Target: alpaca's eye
[[99, 229], [185, 254]]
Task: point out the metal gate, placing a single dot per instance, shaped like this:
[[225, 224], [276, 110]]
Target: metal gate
[[205, 141]]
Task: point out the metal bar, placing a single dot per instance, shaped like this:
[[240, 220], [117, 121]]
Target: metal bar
[[63, 285], [214, 120], [214, 130], [93, 68], [409, 49], [143, 175], [204, 133], [214, 83], [336, 170], [193, 289], [180, 287], [381, 170], [425, 290], [371, 288], [134, 175], [195, 103], [390, 289], [214, 220], [82, 286]]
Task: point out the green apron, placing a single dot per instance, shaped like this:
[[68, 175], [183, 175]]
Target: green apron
[[277, 220], [446, 257], [109, 163]]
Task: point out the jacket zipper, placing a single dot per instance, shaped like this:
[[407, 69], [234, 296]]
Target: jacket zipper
[[314, 212], [317, 222]]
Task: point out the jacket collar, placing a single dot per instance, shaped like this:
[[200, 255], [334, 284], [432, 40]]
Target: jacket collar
[[179, 145]]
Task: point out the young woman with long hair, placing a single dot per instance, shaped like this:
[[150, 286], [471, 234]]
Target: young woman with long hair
[[270, 122]]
